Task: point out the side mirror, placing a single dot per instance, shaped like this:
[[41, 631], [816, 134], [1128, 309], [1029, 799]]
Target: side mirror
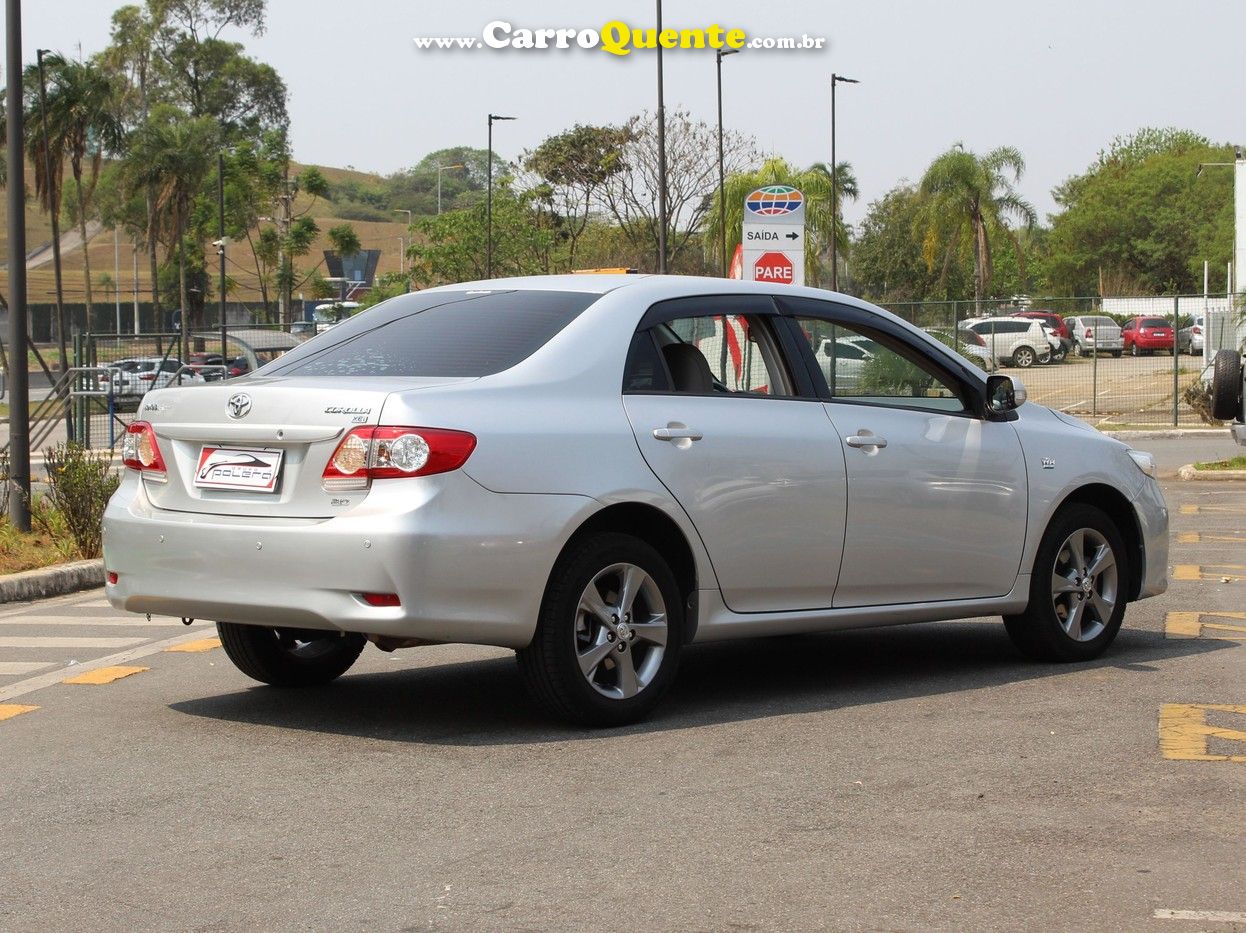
[[1004, 394]]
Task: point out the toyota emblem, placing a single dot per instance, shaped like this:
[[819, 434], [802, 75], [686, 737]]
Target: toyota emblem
[[239, 404]]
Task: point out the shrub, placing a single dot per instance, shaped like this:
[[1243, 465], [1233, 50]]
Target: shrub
[[80, 483]]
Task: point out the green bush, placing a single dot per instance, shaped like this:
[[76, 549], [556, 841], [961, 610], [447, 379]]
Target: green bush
[[80, 483]]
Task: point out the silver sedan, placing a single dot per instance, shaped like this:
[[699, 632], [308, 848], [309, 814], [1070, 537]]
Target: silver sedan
[[598, 471]]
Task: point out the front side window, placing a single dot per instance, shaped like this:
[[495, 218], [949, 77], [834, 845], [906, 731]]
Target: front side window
[[885, 373], [712, 354]]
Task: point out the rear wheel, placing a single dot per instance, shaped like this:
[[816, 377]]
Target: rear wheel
[[608, 639], [287, 657], [1226, 385], [1117, 354], [1077, 589], [1024, 357], [1134, 351]]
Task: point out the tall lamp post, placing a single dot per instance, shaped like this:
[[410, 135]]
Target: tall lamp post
[[835, 79], [53, 184], [443, 168], [661, 157], [719, 55], [19, 387], [493, 118]]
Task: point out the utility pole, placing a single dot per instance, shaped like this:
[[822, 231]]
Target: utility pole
[[661, 157], [719, 55], [19, 385], [283, 232], [220, 248], [54, 198], [835, 79]]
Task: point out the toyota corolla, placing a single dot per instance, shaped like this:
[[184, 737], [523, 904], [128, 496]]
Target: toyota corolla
[[598, 471]]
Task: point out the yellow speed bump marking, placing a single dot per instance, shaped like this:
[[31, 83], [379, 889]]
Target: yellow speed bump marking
[[203, 644], [105, 675], [1184, 731], [9, 710], [1195, 537], [1209, 572], [1198, 625], [1198, 509]]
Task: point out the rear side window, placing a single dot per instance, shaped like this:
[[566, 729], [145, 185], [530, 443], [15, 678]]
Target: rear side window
[[437, 334]]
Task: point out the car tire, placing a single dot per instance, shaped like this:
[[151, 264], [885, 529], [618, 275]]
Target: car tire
[[1080, 350], [1226, 385], [1134, 351], [1073, 620], [613, 691], [1058, 356], [286, 657], [1116, 354], [1024, 357]]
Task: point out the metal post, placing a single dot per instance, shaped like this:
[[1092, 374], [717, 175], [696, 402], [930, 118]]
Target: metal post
[[1094, 374], [19, 385], [224, 350], [134, 253], [834, 196], [722, 182], [116, 269], [489, 208], [53, 183], [220, 208], [1176, 325], [662, 219]]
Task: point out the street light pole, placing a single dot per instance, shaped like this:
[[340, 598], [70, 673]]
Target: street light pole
[[53, 188], [220, 249], [661, 156], [493, 117], [835, 79], [19, 385], [719, 55]]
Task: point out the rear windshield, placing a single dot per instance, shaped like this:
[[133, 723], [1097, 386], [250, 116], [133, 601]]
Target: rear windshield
[[1098, 322], [1152, 322], [437, 334]]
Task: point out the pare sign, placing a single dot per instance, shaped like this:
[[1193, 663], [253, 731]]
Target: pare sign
[[775, 268]]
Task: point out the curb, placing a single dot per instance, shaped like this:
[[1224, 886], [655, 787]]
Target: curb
[[1166, 434], [56, 580], [1188, 473]]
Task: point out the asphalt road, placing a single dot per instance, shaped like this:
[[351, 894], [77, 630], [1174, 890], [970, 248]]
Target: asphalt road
[[921, 777]]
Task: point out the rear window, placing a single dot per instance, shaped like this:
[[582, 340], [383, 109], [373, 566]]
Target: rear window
[[1098, 322], [1152, 322], [437, 334]]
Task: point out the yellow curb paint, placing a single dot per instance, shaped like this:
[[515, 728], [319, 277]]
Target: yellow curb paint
[[1186, 572], [105, 675], [1184, 731], [203, 644], [1198, 625], [1189, 510], [1188, 537], [9, 710]]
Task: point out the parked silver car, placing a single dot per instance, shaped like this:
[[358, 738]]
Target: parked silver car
[[1190, 338], [597, 471], [1095, 333]]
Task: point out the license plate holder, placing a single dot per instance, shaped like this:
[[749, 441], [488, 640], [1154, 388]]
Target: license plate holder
[[243, 469]]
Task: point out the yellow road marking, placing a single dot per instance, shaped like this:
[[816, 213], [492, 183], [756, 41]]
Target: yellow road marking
[[1196, 509], [1184, 731], [1186, 572], [1189, 510], [1208, 572], [1192, 625], [1195, 537], [9, 710], [105, 675], [203, 644]]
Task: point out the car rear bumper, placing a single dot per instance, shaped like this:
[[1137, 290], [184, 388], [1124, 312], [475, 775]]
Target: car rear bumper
[[468, 565]]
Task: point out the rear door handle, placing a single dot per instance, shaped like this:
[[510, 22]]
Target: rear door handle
[[676, 434], [865, 440]]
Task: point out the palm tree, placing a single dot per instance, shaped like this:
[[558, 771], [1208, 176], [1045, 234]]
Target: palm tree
[[974, 194], [83, 123], [814, 182], [172, 155]]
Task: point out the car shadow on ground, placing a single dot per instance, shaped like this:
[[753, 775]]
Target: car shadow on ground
[[479, 703]]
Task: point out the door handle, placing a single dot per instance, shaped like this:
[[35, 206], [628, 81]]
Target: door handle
[[865, 440], [677, 434]]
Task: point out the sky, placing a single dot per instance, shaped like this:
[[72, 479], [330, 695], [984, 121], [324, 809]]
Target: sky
[[1057, 79]]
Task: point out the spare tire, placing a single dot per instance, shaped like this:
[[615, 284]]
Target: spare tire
[[1226, 386]]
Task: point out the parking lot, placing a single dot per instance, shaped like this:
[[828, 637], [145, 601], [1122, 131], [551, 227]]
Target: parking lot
[[1127, 390], [914, 777]]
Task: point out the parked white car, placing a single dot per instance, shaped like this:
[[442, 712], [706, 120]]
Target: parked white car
[[1016, 341], [136, 377], [609, 474], [1095, 333]]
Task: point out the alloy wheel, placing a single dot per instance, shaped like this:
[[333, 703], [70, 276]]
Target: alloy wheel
[[1084, 584], [620, 631]]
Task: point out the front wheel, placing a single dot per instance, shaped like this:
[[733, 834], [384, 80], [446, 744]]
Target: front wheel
[[287, 657], [1078, 589], [609, 635]]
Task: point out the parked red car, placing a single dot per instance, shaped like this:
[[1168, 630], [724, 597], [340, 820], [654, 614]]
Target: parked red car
[[1051, 319], [1146, 335]]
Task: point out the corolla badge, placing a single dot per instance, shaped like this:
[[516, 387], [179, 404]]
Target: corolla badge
[[239, 405]]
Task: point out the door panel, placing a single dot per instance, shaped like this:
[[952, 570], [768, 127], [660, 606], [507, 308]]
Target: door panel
[[764, 484], [938, 513]]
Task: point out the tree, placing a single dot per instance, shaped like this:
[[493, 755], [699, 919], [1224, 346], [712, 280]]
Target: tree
[[84, 121], [886, 262], [1142, 219], [575, 166], [174, 154], [970, 194], [631, 195], [814, 182]]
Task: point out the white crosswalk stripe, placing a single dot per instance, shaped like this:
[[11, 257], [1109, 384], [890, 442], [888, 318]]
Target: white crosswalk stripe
[[123, 621], [23, 667], [54, 641]]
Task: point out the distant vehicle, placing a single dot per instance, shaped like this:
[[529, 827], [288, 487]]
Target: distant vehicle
[[1053, 322], [969, 345], [1093, 333], [134, 378], [1190, 339], [208, 365], [1146, 335], [332, 313], [1015, 341]]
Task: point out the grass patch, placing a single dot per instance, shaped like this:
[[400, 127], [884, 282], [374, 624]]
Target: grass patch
[[48, 542], [1232, 463]]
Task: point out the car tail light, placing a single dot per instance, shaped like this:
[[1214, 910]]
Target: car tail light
[[112, 578], [1089, 334], [387, 452], [147, 377], [381, 599], [1196, 329], [972, 336], [139, 451]]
